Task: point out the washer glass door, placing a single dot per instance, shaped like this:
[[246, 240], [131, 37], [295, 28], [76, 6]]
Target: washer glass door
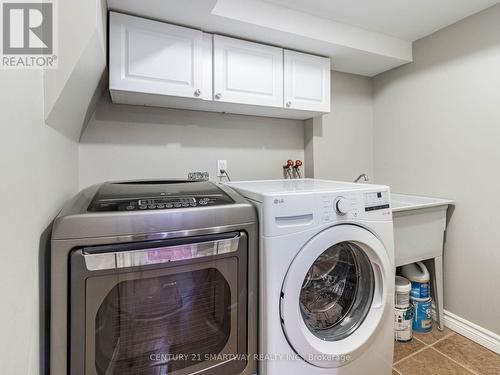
[[335, 295], [337, 292]]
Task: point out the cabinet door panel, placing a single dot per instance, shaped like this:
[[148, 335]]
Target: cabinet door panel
[[154, 57], [247, 73], [307, 82]]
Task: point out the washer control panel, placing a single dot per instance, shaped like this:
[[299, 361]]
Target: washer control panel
[[333, 207], [371, 205], [342, 205], [376, 200]]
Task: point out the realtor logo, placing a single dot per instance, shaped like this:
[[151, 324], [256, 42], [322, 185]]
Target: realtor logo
[[28, 35]]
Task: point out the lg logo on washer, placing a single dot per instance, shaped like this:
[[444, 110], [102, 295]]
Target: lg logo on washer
[[279, 201], [28, 35]]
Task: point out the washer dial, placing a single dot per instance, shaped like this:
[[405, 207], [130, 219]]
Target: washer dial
[[342, 205]]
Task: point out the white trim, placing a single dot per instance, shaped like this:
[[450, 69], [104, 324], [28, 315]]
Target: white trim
[[472, 331]]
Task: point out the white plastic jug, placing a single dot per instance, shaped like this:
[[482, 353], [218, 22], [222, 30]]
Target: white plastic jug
[[419, 276]]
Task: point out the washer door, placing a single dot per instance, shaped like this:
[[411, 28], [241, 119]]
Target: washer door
[[334, 295]]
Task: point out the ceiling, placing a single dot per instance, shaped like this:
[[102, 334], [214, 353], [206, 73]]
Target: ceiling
[[406, 19], [365, 37]]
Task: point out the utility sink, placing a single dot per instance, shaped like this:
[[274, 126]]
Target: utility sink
[[403, 202], [419, 225]]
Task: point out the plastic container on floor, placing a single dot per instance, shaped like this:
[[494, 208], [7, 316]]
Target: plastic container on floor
[[419, 276], [403, 321], [422, 314], [402, 293]]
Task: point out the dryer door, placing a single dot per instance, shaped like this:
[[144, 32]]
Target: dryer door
[[335, 294]]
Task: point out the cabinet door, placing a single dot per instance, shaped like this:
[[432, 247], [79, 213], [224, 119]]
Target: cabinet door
[[247, 73], [154, 57], [307, 82]]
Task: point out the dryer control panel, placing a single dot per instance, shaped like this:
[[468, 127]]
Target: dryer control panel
[[157, 195]]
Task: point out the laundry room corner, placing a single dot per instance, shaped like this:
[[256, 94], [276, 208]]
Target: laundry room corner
[[249, 187]]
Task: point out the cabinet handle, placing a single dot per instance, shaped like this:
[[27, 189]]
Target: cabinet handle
[[288, 104], [197, 92], [218, 95]]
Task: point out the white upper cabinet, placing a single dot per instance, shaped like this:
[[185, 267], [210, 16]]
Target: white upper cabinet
[[307, 82], [247, 73], [157, 64], [154, 57]]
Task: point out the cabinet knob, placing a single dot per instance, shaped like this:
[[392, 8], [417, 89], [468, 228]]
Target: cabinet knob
[[197, 92], [288, 104], [218, 95]]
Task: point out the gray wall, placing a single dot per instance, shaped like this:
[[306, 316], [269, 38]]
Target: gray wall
[[42, 114], [339, 145], [123, 142], [71, 90], [39, 168], [437, 133]]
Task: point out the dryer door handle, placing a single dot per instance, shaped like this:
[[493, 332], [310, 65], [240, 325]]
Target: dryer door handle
[[158, 255]]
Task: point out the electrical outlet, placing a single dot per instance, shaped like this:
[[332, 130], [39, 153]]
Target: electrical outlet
[[221, 164]]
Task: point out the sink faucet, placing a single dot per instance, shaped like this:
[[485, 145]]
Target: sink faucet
[[363, 177]]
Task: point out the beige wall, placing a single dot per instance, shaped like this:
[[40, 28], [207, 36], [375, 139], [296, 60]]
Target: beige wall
[[437, 133], [124, 142], [339, 145]]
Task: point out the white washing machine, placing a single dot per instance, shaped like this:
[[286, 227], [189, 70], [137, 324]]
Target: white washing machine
[[326, 276]]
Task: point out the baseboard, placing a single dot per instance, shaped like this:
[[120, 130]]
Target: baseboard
[[472, 331]]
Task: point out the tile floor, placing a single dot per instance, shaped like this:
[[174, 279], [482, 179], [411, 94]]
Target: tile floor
[[443, 353]]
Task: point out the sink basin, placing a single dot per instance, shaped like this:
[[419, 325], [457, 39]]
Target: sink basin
[[419, 225], [403, 202]]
